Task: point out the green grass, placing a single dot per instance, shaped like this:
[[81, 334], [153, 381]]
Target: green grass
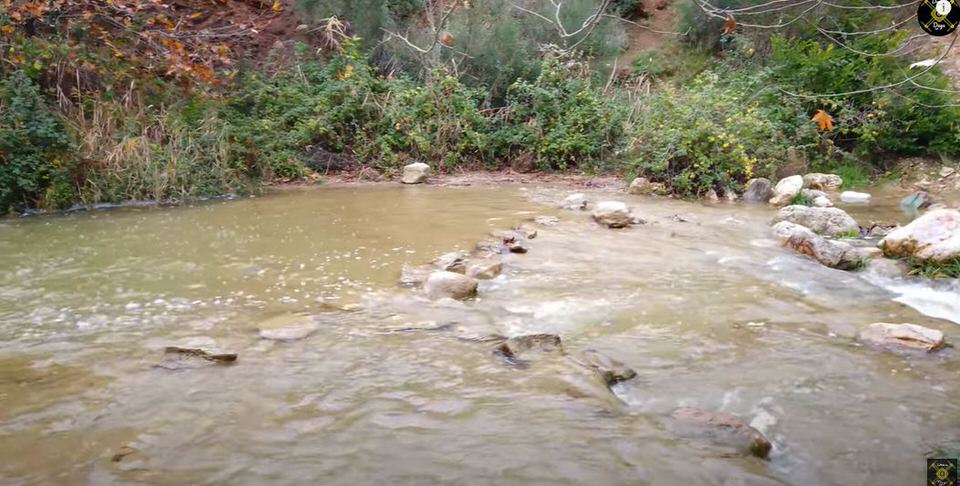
[[853, 175], [801, 200], [927, 269], [848, 234]]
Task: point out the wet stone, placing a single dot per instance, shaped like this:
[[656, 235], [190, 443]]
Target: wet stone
[[609, 369], [452, 262], [516, 346], [721, 429], [287, 327], [177, 358]]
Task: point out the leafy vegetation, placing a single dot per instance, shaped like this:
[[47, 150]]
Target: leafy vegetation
[[106, 101], [928, 269]]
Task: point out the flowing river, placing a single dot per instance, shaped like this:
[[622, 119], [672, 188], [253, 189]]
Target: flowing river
[[699, 301]]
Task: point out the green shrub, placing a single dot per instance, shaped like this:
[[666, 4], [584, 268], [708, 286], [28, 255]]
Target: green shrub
[[34, 167], [718, 132], [905, 120], [344, 107], [559, 120]]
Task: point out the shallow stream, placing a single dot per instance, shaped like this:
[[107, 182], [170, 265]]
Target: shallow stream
[[699, 301]]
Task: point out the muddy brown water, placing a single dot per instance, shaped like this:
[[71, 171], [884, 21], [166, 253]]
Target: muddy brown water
[[708, 311]]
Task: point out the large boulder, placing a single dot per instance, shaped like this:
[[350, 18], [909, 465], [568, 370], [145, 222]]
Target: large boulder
[[451, 285], [825, 182], [720, 428], [415, 173], [786, 190], [759, 190], [935, 237], [834, 254], [613, 214], [824, 221], [902, 337]]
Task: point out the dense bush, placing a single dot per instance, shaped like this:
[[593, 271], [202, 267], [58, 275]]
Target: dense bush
[[34, 167], [903, 119], [344, 107], [560, 120], [716, 133]]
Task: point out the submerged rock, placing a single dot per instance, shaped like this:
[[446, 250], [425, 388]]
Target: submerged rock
[[609, 369], [826, 221], [759, 190], [452, 262], [934, 237], [854, 197], [916, 201], [902, 337], [517, 346], [888, 267], [546, 220], [449, 284], [575, 202], [287, 327], [485, 269], [720, 428], [516, 247], [177, 358], [826, 182], [523, 230], [834, 254], [613, 214], [415, 173], [415, 275], [786, 190]]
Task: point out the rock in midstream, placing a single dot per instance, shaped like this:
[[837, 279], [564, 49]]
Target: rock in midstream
[[177, 358], [719, 428], [485, 269], [610, 370], [516, 347], [824, 221], [575, 202], [834, 254], [452, 262], [613, 214], [902, 337], [287, 327], [449, 284]]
